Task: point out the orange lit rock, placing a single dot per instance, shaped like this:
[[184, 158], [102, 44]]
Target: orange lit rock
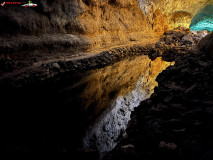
[[104, 85]]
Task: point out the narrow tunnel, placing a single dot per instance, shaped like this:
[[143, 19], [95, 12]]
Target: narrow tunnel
[[108, 79]]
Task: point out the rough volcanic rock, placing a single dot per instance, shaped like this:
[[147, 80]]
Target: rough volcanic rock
[[127, 84], [179, 12], [203, 20], [56, 28], [57, 25], [206, 43], [176, 122], [13, 73], [48, 106], [177, 42], [60, 29], [43, 56]]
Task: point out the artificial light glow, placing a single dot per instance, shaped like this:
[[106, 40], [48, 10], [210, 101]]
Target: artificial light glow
[[203, 20]]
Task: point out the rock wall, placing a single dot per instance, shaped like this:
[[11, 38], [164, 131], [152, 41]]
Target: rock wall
[[206, 44], [83, 25], [73, 26], [180, 12], [78, 26], [176, 122], [203, 20], [127, 84], [55, 102], [176, 12]]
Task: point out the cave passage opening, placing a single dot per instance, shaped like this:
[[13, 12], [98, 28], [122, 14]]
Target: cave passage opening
[[203, 20]]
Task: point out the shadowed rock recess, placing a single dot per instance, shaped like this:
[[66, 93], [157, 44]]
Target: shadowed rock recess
[[176, 122], [108, 79]]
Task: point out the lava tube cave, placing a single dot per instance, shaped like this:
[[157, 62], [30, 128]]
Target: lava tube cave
[[107, 79]]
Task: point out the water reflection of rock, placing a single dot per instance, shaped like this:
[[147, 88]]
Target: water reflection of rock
[[119, 88], [59, 109]]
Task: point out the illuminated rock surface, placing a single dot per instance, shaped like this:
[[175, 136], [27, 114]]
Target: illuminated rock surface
[[104, 133], [76, 27], [176, 12], [72, 72], [176, 122], [203, 19]]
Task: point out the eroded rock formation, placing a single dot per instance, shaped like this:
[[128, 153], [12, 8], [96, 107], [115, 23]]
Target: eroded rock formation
[[206, 43], [178, 12], [65, 63], [176, 122], [68, 28], [118, 98], [203, 20]]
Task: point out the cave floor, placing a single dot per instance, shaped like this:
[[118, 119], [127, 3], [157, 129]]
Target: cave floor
[[38, 63], [176, 122]]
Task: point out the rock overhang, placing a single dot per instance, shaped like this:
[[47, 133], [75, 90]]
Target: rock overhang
[[203, 20], [88, 25]]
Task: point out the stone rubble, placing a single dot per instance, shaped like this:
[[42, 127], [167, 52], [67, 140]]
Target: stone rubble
[[176, 122]]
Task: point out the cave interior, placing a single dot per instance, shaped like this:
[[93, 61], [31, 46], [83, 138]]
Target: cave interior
[[72, 72]]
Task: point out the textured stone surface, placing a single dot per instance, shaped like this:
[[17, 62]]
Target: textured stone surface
[[49, 107], [76, 27], [206, 43], [80, 85], [80, 24], [203, 20], [180, 12], [59, 29], [104, 133], [64, 62], [176, 122], [176, 12]]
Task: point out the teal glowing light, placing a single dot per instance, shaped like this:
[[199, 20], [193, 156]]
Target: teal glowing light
[[203, 20]]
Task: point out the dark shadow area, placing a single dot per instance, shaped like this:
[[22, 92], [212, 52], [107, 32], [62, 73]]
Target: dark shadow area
[[37, 118]]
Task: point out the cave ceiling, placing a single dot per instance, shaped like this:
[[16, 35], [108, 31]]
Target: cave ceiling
[[177, 12]]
